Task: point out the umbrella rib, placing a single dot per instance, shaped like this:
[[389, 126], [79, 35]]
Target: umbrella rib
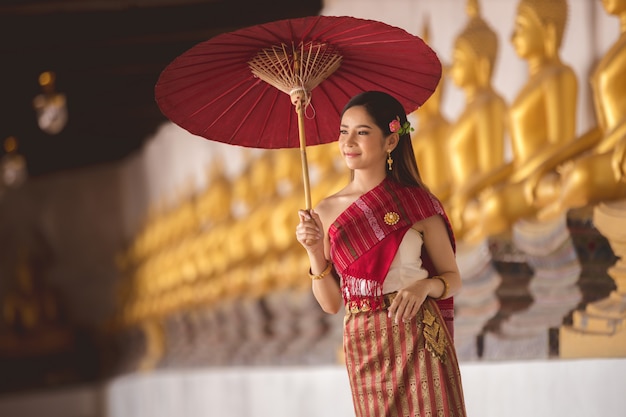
[[265, 122], [218, 97], [218, 117], [250, 109], [366, 31], [389, 77]]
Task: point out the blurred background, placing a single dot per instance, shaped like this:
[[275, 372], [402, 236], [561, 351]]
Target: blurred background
[[137, 259]]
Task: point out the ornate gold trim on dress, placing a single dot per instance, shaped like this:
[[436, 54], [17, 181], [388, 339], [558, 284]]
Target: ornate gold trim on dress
[[436, 340], [354, 307]]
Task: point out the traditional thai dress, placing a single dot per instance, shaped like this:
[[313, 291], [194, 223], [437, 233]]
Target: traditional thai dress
[[408, 369]]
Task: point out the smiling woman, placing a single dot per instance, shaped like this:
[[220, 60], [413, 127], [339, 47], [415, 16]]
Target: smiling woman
[[372, 247]]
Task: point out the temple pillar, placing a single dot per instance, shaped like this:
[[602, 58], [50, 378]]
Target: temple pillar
[[600, 329]]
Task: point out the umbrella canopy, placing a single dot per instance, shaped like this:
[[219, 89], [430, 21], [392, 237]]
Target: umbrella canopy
[[212, 91], [242, 87]]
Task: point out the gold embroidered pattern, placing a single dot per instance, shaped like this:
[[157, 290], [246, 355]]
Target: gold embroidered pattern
[[436, 340], [391, 218]]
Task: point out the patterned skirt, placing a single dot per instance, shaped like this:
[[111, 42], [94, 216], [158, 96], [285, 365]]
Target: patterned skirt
[[402, 370]]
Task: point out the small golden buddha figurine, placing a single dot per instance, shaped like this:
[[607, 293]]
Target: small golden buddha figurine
[[28, 306], [288, 180], [327, 173], [542, 117], [430, 140], [598, 170], [477, 137], [214, 204], [263, 203], [186, 219], [260, 179], [32, 321]]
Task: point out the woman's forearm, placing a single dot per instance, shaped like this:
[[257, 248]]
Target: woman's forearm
[[324, 284]]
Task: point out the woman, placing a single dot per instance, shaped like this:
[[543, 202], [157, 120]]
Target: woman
[[380, 238]]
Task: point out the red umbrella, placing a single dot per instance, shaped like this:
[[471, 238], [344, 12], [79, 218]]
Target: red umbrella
[[242, 87]]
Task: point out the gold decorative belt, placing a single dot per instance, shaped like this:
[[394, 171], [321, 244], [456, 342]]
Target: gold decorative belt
[[353, 307]]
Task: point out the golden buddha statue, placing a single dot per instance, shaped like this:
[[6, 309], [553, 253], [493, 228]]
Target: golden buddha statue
[[259, 199], [214, 208], [26, 307], [32, 321], [476, 141], [430, 140], [214, 204], [186, 220], [244, 194], [597, 168], [327, 172], [542, 116], [288, 181]]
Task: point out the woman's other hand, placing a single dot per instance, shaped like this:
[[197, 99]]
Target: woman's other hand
[[408, 301]]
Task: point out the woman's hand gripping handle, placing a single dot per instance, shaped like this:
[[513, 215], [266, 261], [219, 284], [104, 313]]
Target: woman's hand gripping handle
[[309, 232]]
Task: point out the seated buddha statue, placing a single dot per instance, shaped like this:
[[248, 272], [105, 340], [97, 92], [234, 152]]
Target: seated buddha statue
[[213, 204], [430, 140], [476, 139], [597, 172], [261, 200], [290, 197], [32, 320], [214, 211], [542, 117]]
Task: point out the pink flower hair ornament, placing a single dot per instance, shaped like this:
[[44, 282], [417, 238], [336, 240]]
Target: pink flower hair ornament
[[401, 128]]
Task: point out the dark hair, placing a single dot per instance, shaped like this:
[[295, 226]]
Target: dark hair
[[384, 108]]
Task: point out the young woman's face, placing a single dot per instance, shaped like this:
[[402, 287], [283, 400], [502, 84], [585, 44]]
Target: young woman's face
[[361, 142]]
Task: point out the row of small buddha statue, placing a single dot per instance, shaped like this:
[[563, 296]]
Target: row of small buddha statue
[[235, 238], [214, 259]]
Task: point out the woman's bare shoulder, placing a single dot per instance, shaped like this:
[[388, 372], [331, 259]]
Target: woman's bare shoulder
[[332, 206]]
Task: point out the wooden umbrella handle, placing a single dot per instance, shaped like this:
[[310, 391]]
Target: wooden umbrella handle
[[298, 100]]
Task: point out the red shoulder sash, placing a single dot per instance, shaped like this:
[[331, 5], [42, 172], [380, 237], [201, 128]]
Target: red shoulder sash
[[364, 239]]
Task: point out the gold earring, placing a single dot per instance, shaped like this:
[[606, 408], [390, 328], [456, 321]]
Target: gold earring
[[389, 160]]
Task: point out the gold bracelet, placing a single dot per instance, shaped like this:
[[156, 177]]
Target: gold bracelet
[[446, 286], [322, 274]]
